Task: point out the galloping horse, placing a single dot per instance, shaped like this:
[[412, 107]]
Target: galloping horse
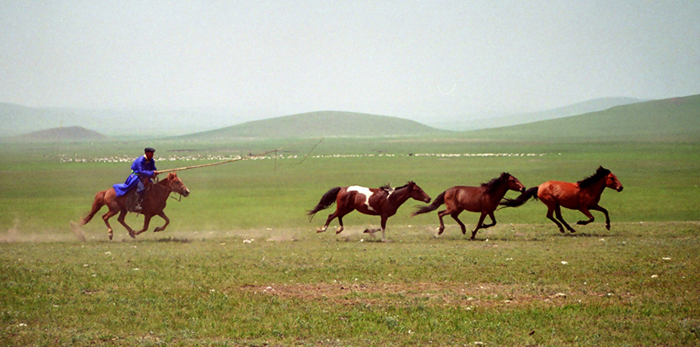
[[376, 202], [484, 199], [153, 204], [583, 195]]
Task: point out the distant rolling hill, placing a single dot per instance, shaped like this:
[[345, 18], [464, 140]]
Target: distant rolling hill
[[498, 121], [17, 120], [322, 123], [63, 134], [667, 119]]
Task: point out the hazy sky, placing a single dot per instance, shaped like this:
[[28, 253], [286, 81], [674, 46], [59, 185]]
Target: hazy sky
[[411, 59]]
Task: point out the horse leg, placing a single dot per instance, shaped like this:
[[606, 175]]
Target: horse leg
[[383, 226], [493, 221], [479, 224], [384, 218], [341, 228], [455, 216], [338, 213], [167, 221], [607, 218], [146, 222], [588, 214], [121, 220], [560, 218], [550, 215], [328, 222], [106, 217], [441, 228]]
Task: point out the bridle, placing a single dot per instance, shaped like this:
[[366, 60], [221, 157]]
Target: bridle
[[171, 190]]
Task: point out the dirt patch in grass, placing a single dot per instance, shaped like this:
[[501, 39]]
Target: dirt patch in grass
[[424, 293]]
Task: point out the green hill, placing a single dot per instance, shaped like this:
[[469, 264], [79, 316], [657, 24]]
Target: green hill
[[63, 134], [498, 121], [659, 120], [322, 123]]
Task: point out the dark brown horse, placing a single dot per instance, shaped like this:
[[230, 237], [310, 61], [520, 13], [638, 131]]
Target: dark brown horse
[[381, 202], [583, 195], [153, 204], [484, 199]]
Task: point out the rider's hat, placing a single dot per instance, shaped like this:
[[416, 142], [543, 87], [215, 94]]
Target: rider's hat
[[149, 149]]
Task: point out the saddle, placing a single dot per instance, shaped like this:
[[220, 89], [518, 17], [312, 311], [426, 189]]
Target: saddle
[[132, 201]]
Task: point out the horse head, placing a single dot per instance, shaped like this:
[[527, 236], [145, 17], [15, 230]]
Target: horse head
[[417, 193], [514, 183], [612, 182], [175, 185]]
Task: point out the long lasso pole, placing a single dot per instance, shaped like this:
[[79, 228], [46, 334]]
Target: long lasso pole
[[236, 159]]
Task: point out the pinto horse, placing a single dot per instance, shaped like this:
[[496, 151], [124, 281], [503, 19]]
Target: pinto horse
[[583, 195], [381, 202], [153, 204], [484, 199]]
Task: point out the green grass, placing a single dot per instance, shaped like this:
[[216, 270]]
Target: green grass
[[514, 289], [198, 283], [40, 194]]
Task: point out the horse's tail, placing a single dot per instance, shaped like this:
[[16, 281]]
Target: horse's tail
[[96, 206], [327, 200], [524, 197], [439, 200]]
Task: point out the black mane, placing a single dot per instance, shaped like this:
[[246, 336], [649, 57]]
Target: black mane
[[492, 184], [597, 176]]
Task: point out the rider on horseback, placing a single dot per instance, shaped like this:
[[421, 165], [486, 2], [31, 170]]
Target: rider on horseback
[[142, 170]]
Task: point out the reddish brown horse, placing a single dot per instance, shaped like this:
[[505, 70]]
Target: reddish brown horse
[[583, 195], [153, 204], [381, 202], [484, 199]]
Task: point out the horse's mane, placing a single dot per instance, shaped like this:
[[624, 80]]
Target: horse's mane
[[597, 176], [492, 184]]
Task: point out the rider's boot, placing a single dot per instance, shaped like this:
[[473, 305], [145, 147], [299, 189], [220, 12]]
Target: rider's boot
[[138, 208]]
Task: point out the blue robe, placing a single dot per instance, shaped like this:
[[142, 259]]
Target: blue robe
[[141, 169]]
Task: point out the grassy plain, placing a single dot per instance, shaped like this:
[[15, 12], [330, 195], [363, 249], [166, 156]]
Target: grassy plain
[[521, 283]]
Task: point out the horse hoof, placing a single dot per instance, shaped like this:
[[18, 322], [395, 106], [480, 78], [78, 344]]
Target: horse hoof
[[607, 226], [110, 237]]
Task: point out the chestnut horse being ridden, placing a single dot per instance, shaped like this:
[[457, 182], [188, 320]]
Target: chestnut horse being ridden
[[583, 195], [484, 199], [153, 204], [376, 202]]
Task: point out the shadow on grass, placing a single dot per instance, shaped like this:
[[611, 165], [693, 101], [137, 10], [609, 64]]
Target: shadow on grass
[[173, 239]]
